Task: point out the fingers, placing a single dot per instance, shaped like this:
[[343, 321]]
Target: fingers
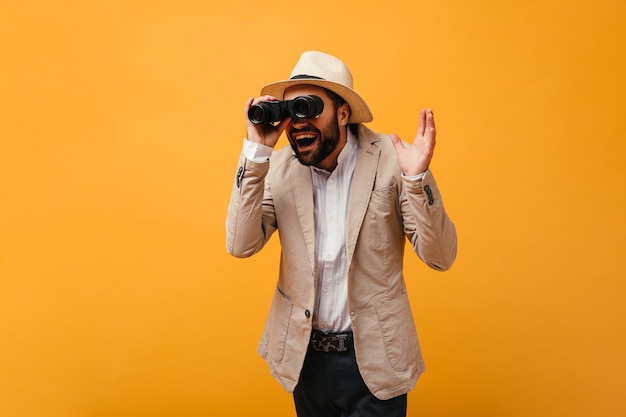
[[247, 106], [397, 142], [263, 98], [431, 130], [426, 129], [430, 118], [426, 122], [260, 133], [280, 127], [421, 126], [249, 103], [252, 101]]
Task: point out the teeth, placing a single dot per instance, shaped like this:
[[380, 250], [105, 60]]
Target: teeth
[[305, 136]]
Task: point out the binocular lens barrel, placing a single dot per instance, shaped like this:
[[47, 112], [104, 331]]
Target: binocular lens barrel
[[257, 114], [302, 107], [305, 107]]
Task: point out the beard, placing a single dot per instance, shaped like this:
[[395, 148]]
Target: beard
[[328, 139]]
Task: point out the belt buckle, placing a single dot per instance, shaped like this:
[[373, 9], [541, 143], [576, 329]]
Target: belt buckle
[[330, 343], [342, 346]]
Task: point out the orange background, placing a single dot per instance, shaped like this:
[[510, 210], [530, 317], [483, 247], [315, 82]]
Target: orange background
[[120, 127]]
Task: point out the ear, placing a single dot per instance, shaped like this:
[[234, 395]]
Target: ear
[[343, 114]]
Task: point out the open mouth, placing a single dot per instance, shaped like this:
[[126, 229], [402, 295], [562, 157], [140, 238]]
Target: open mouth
[[304, 140]]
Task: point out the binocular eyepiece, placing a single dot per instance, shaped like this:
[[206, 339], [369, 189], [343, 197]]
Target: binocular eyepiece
[[270, 112]]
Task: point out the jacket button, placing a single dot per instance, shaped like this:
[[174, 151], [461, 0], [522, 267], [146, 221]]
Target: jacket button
[[430, 195], [239, 176], [307, 313]]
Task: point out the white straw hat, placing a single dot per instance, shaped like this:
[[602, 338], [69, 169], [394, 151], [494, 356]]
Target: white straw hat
[[323, 70]]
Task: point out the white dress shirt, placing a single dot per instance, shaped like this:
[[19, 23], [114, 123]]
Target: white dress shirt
[[331, 191]]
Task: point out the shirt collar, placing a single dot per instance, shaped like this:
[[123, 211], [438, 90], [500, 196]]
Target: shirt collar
[[348, 151]]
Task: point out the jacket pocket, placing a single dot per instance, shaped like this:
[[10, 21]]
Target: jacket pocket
[[398, 331], [385, 196], [383, 222], [279, 318]]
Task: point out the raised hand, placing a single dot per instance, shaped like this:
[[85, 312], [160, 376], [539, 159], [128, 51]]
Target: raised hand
[[416, 158]]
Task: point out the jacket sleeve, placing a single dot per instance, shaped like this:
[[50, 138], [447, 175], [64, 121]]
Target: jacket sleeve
[[251, 219], [426, 223]]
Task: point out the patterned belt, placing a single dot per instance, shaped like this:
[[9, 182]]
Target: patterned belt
[[331, 342]]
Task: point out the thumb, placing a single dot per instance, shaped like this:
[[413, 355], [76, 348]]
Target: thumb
[[397, 142]]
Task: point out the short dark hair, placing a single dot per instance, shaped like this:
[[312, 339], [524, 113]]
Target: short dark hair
[[338, 101]]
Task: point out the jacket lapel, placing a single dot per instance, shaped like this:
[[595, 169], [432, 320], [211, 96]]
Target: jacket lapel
[[303, 195], [362, 185]]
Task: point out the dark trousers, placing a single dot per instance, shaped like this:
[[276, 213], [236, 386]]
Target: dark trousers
[[331, 385]]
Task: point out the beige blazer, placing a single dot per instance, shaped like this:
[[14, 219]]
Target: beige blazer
[[384, 208]]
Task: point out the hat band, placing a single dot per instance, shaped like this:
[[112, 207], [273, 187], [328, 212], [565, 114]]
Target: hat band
[[301, 76]]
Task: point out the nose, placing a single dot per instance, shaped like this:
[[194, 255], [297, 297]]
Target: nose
[[298, 123]]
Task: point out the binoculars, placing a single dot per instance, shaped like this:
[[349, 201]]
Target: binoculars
[[270, 112]]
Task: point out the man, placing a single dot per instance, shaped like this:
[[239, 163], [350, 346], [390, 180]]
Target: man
[[340, 333]]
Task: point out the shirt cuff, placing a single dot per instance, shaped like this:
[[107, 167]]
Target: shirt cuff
[[256, 152], [414, 177]]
